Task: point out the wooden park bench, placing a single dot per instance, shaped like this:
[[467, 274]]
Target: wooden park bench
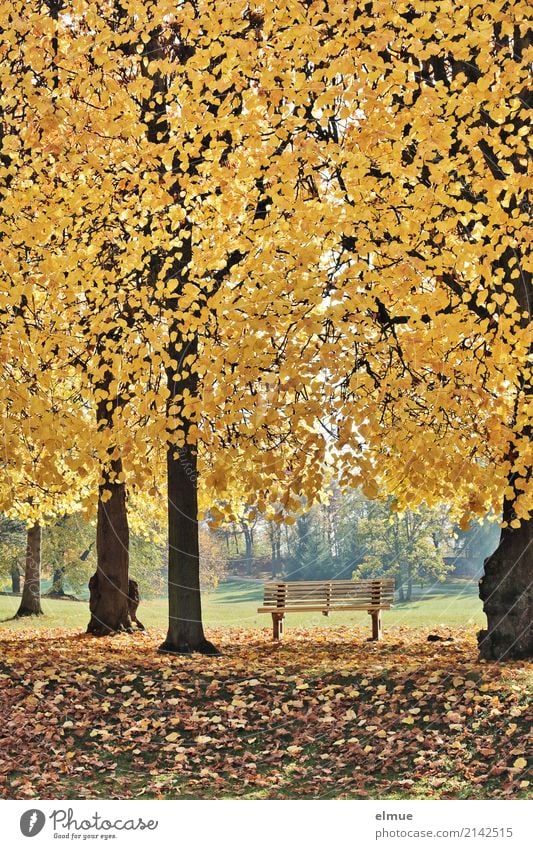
[[373, 595]]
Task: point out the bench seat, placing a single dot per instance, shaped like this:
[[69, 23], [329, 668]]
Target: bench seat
[[373, 595]]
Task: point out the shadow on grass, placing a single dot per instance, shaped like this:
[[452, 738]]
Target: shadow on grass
[[237, 598]]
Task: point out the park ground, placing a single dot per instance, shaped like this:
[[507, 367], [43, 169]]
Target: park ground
[[326, 714]]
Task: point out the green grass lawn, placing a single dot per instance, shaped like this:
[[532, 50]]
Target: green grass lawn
[[235, 602]]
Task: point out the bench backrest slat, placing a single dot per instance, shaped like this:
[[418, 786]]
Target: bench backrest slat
[[372, 592], [348, 583]]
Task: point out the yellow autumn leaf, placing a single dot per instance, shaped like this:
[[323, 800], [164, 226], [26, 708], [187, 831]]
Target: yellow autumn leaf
[[172, 737]]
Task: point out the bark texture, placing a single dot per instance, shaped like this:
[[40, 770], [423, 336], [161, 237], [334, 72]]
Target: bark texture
[[185, 631], [30, 603], [134, 598], [109, 599], [506, 590]]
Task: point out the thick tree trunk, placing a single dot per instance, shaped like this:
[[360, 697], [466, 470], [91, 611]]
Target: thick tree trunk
[[30, 603], [506, 590], [185, 631], [108, 587], [109, 601]]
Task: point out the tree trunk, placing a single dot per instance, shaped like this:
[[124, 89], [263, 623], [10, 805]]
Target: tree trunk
[[249, 548], [109, 585], [15, 578], [506, 590], [58, 588], [30, 603], [409, 583], [275, 540], [185, 630]]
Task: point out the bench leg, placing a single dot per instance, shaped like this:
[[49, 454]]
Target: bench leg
[[376, 624], [277, 626]]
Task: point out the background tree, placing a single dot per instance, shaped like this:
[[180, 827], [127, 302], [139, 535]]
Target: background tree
[[30, 602], [312, 558], [408, 547], [12, 539]]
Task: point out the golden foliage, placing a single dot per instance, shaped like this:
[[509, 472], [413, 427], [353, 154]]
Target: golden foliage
[[292, 234]]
